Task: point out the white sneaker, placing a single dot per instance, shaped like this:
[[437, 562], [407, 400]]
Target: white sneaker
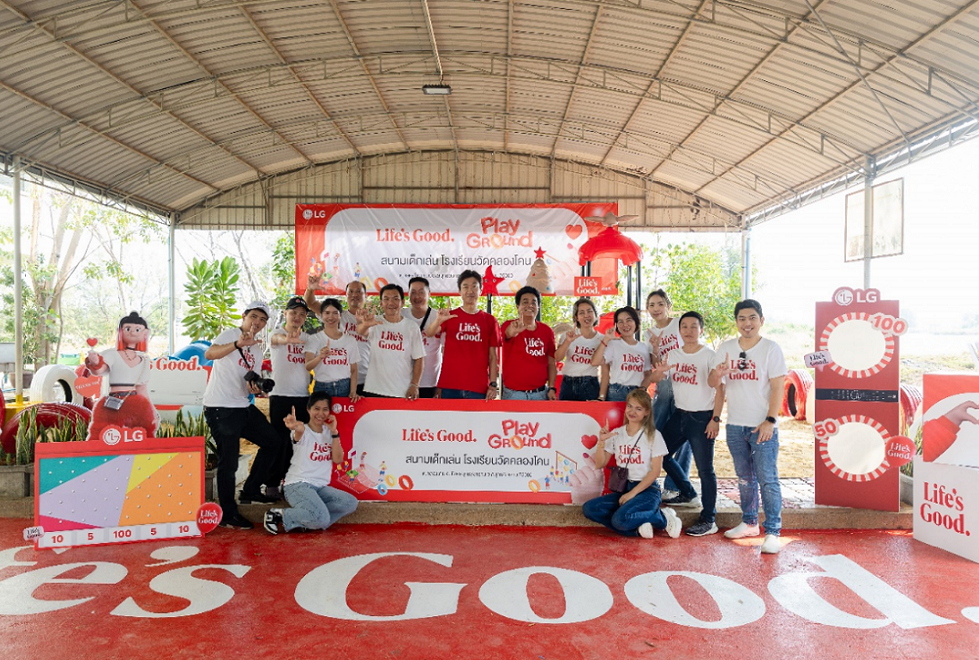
[[742, 531], [771, 546], [646, 531], [669, 494], [673, 524]]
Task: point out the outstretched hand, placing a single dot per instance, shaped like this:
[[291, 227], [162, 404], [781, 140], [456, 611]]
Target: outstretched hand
[[960, 413], [587, 482]]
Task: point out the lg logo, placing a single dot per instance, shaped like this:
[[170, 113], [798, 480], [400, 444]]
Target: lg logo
[[845, 296]]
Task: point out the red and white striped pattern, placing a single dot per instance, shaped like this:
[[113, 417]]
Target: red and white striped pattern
[[840, 472], [854, 373]]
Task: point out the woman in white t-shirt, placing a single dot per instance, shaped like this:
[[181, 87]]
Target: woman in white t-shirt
[[663, 337], [624, 359], [316, 448], [640, 447], [579, 379], [336, 354]]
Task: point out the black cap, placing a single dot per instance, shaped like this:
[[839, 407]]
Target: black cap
[[296, 302]]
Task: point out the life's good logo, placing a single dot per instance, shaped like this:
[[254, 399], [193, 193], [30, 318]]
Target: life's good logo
[[517, 435], [938, 500]]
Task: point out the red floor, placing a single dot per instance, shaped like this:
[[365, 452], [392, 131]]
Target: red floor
[[451, 592]]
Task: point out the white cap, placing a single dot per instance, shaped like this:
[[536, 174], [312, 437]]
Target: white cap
[[257, 304]]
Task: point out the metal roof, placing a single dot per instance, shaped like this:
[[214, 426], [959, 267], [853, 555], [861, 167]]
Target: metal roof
[[752, 106]]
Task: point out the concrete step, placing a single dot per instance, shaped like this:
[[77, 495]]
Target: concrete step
[[811, 517]]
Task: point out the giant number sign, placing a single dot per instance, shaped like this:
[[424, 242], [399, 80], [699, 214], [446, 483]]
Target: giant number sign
[[857, 416]]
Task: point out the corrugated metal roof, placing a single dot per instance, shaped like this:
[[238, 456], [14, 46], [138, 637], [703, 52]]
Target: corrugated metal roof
[[746, 104]]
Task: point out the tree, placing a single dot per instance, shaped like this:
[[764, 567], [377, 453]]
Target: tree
[[211, 290], [66, 234], [701, 278]]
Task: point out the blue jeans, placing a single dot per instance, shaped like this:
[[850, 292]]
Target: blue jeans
[[690, 429], [626, 518], [664, 408], [579, 388], [449, 393], [334, 388], [618, 392], [756, 465], [228, 426], [315, 507], [540, 395]]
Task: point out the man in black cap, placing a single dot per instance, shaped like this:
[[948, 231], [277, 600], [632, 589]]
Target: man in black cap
[[290, 354]]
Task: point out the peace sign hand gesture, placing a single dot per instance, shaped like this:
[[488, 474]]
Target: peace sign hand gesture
[[294, 424]]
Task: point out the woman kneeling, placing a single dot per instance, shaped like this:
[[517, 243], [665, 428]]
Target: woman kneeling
[[639, 447], [315, 504]]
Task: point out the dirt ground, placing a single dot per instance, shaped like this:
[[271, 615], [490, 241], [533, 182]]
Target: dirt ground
[[795, 458]]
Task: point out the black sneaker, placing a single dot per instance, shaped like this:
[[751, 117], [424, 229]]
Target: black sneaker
[[236, 521], [255, 498], [679, 500], [273, 518], [702, 528]]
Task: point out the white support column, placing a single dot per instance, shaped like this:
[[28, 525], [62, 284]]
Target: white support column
[[745, 262], [868, 220], [18, 292], [171, 267]]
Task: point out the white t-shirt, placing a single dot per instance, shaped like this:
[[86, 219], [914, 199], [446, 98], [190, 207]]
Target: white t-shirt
[[627, 364], [336, 366], [348, 324], [289, 366], [577, 361], [669, 337], [689, 375], [312, 460], [226, 388], [433, 348], [620, 446], [748, 390], [394, 347], [123, 375]]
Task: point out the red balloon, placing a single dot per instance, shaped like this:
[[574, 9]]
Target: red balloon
[[208, 517]]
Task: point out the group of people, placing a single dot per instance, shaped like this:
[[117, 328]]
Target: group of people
[[418, 352]]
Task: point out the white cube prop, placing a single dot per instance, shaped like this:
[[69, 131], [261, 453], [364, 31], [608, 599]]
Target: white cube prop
[[946, 507]]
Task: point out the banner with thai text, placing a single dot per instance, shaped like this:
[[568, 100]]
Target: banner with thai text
[[472, 451], [509, 245]]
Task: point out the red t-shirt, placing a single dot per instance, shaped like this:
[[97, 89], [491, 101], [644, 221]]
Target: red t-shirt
[[525, 357], [465, 356]]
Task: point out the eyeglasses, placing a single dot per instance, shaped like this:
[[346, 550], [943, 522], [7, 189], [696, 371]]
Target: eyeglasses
[[742, 361]]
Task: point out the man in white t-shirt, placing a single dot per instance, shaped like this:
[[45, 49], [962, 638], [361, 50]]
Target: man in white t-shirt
[[419, 312], [396, 346], [290, 351], [231, 416], [356, 300], [753, 371]]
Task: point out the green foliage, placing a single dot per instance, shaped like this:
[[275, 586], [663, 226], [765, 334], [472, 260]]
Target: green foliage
[[192, 426], [283, 270], [698, 278], [29, 434], [211, 290]]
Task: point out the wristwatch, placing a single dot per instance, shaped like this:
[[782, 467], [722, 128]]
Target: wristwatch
[[716, 418], [771, 420]]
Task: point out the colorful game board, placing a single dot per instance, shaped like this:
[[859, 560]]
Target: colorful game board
[[88, 493]]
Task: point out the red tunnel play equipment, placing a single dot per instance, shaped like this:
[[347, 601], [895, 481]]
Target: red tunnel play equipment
[[48, 415], [911, 398], [798, 382]]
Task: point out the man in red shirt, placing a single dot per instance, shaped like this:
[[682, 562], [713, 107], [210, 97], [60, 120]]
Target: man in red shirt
[[472, 337], [528, 352]]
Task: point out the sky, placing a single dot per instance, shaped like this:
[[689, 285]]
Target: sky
[[799, 255]]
